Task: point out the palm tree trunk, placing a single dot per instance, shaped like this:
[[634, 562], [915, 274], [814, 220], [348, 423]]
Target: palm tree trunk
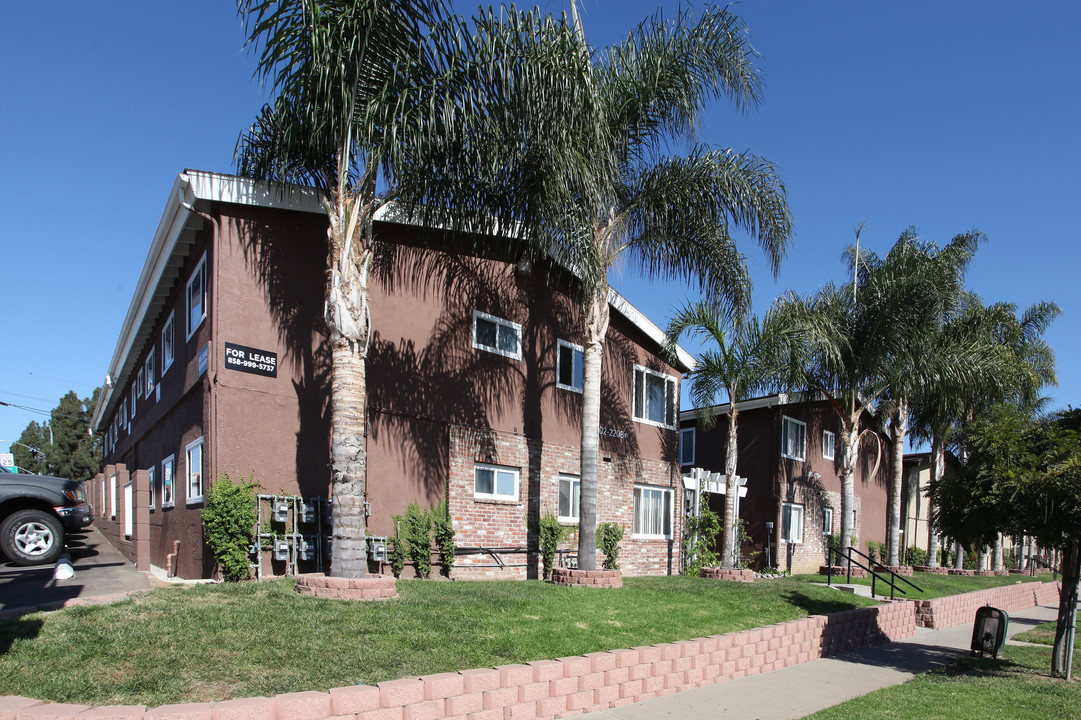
[[1062, 651], [850, 439], [728, 549], [996, 554], [348, 556], [938, 464], [900, 429], [595, 328], [959, 556]]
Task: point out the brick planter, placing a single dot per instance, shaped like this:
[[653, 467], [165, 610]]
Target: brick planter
[[966, 573], [588, 578], [902, 570], [931, 570], [373, 587], [733, 574], [843, 570]]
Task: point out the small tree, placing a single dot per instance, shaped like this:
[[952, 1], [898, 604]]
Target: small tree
[[549, 535], [443, 529], [700, 536], [228, 524], [398, 549], [608, 537], [418, 538]]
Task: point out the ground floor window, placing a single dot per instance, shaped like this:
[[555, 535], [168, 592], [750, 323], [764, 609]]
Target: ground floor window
[[570, 494], [652, 512], [495, 482], [195, 472], [168, 490], [112, 496], [792, 523], [150, 480]]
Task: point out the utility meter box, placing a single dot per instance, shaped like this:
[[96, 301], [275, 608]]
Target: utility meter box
[[989, 631], [306, 549], [306, 512], [379, 549], [281, 549], [281, 511]]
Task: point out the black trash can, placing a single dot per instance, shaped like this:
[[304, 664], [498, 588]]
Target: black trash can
[[989, 631]]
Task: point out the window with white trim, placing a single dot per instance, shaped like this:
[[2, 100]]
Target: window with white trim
[[168, 482], [793, 439], [496, 335], [103, 497], [686, 446], [148, 370], [570, 497], [495, 482], [112, 496], [151, 482], [827, 521], [829, 444], [652, 512], [792, 522], [168, 344], [129, 510], [570, 368], [195, 295], [654, 397], [137, 387], [194, 472]]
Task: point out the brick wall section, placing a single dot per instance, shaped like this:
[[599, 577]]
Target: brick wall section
[[958, 609], [137, 547]]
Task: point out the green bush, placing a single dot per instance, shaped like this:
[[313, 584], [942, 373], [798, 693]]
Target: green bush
[[549, 534], [443, 529], [608, 537], [398, 549], [700, 538], [874, 549], [229, 524], [917, 556], [418, 538]]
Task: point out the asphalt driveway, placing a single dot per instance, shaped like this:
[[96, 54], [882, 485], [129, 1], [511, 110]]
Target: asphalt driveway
[[99, 570]]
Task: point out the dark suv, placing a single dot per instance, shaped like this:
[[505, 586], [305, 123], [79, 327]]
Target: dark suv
[[35, 513]]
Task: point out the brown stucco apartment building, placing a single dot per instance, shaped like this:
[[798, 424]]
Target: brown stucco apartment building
[[790, 453], [474, 388]]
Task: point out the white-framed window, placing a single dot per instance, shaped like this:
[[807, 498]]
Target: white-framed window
[[570, 496], [149, 370], [793, 439], [168, 482], [654, 397], [570, 366], [652, 512], [792, 522], [686, 446], [829, 444], [495, 482], [103, 504], [112, 496], [827, 521], [497, 335], [151, 481], [137, 387], [129, 510], [196, 297], [168, 344], [194, 472], [124, 412]]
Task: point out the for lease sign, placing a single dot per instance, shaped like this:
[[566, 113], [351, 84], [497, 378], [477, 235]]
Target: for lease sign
[[251, 360]]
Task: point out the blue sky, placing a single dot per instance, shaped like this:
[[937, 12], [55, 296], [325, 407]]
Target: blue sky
[[945, 116]]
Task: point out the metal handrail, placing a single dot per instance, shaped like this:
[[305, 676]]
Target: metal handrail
[[874, 575]]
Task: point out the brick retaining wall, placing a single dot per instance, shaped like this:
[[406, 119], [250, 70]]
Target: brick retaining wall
[[953, 610], [570, 685]]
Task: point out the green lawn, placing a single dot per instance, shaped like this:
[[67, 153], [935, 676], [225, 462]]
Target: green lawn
[[212, 642], [933, 586]]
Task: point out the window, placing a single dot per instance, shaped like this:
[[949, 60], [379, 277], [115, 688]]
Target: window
[[168, 491], [686, 446], [168, 347], [827, 521], [150, 480], [148, 368], [793, 439], [829, 441], [570, 495], [129, 511], [792, 523], [112, 496], [196, 297], [497, 335], [654, 397], [103, 497], [495, 482], [194, 472], [652, 512], [137, 387], [570, 369]]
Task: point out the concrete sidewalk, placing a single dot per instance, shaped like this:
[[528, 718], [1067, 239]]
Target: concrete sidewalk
[[800, 690]]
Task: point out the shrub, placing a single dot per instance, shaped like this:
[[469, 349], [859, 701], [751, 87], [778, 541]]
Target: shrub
[[917, 556], [418, 538], [608, 537], [549, 534], [443, 529], [398, 550], [744, 538], [876, 550], [229, 524], [700, 538]]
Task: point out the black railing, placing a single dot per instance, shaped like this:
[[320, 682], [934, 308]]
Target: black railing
[[871, 564]]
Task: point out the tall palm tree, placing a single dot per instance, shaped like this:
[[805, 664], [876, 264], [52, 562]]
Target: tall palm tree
[[362, 88], [747, 358], [595, 185]]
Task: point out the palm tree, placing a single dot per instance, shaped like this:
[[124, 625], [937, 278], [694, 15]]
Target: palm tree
[[592, 183], [747, 358], [361, 87]]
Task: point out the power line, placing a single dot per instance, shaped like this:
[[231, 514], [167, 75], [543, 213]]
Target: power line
[[39, 410], [50, 377]]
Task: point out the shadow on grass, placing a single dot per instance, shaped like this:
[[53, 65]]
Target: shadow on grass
[[817, 606], [17, 629]]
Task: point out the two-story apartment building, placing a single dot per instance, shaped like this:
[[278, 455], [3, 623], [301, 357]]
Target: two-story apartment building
[[473, 391], [789, 451]]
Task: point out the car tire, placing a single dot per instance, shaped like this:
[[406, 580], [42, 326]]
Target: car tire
[[31, 537]]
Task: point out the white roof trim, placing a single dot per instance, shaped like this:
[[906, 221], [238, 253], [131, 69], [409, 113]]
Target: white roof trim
[[753, 404]]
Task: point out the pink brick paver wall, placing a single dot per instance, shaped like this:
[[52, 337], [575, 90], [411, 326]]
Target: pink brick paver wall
[[953, 610], [566, 686]]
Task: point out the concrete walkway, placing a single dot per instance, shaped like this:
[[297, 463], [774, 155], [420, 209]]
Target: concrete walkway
[[800, 690]]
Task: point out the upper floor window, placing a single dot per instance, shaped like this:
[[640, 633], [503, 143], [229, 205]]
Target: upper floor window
[[196, 297], [654, 397], [829, 442], [149, 370], [686, 446], [570, 371], [497, 335], [136, 390], [495, 482], [793, 439], [570, 496], [168, 344]]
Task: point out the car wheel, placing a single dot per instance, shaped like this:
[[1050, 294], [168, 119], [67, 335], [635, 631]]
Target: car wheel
[[31, 537]]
